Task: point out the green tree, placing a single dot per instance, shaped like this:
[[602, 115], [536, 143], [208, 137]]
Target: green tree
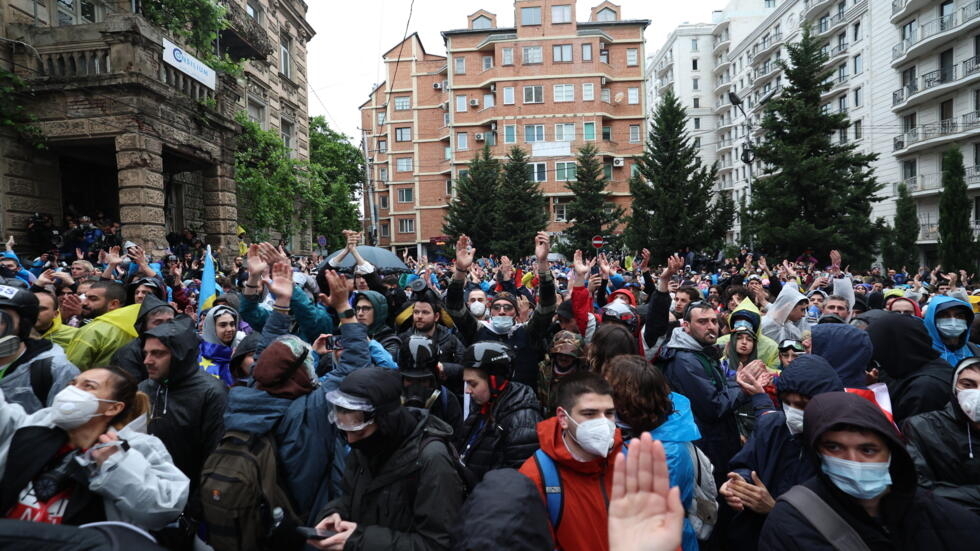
[[338, 168], [587, 209], [812, 192], [472, 210], [899, 242], [521, 210], [956, 245], [672, 190]]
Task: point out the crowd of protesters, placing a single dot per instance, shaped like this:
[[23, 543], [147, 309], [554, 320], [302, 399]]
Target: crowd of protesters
[[621, 403]]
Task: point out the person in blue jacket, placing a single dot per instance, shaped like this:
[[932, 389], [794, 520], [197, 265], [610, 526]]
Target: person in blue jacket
[[948, 322], [772, 460], [644, 403], [847, 349]]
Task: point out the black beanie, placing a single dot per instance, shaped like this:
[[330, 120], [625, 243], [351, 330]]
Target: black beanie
[[382, 387]]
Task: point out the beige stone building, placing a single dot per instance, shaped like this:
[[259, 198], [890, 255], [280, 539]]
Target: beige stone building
[[550, 84], [135, 127]]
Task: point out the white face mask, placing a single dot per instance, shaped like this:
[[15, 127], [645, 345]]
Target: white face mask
[[970, 403], [73, 407], [502, 324], [596, 436], [478, 309], [794, 419]]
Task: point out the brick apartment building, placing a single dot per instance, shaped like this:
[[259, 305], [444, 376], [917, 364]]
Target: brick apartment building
[[134, 136], [549, 84]]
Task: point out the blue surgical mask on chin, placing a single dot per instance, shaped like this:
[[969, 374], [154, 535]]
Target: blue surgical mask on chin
[[502, 324], [951, 328], [857, 479]]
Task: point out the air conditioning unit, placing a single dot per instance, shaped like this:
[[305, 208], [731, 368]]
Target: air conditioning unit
[[493, 126], [437, 85], [619, 161], [474, 103], [602, 81], [479, 136], [603, 45], [493, 88]]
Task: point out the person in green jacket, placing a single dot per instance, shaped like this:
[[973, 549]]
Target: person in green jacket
[[113, 326], [765, 348], [49, 324]]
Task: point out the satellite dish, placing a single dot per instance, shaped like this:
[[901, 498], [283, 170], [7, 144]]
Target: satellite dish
[[618, 98]]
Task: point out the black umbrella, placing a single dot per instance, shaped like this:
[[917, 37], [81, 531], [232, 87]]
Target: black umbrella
[[384, 261]]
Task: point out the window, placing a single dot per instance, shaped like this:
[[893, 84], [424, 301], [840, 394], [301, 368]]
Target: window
[[406, 225], [694, 64], [381, 118], [509, 95], [487, 62], [256, 112], [607, 171], [482, 22], [605, 95], [459, 65], [461, 104], [858, 96], [697, 143], [405, 195], [856, 32], [588, 131], [586, 52], [606, 133], [695, 102], [606, 14], [634, 133], [253, 10], [533, 133], [564, 92], [842, 135], [588, 91], [769, 4], [694, 44], [858, 64], [565, 132], [560, 205], [537, 172], [507, 56], [530, 16], [462, 141], [858, 130], [403, 164], [633, 96], [531, 54], [695, 84], [488, 101], [445, 119], [286, 56], [604, 56], [385, 229], [286, 130], [510, 133], [383, 200], [633, 57], [383, 174], [382, 146], [564, 171], [534, 94], [447, 152], [403, 134], [562, 53], [841, 104], [561, 14], [697, 123], [449, 188], [402, 103]]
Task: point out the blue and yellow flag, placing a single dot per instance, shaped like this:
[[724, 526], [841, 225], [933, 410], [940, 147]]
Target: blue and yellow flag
[[209, 289]]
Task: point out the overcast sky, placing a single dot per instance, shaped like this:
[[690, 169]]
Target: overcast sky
[[344, 57]]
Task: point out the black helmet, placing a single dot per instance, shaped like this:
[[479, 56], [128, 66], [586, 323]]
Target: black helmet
[[25, 304], [419, 357], [495, 358]]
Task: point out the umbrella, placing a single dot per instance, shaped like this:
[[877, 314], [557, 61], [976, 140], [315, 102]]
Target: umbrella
[[385, 261]]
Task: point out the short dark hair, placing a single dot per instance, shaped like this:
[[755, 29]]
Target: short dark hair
[[837, 297], [640, 391], [733, 290], [113, 290], [691, 292], [699, 305], [54, 297], [573, 385]]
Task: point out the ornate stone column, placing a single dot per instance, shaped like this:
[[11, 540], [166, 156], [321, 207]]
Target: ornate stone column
[[221, 210], [139, 163]]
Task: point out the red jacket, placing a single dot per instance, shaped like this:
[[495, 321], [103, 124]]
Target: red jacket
[[586, 489]]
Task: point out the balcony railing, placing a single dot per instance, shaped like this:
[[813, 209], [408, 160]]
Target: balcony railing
[[939, 76], [897, 5], [936, 78], [838, 49], [937, 26], [905, 92]]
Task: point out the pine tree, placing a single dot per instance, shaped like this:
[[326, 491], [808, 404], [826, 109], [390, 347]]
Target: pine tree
[[812, 193], [899, 242], [587, 209], [956, 245], [672, 192], [472, 210], [521, 208]]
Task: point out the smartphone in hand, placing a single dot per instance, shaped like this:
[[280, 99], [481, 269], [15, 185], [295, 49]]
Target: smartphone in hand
[[314, 534]]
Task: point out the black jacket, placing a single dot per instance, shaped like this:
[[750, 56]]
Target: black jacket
[[504, 511], [450, 354], [910, 518], [504, 438], [187, 409], [940, 443], [130, 356], [413, 501]]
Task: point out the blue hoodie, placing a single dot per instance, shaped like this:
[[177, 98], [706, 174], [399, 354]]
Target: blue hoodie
[[940, 304], [847, 349]]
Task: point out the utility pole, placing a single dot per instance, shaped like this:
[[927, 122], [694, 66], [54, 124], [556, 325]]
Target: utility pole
[[369, 191], [747, 152]]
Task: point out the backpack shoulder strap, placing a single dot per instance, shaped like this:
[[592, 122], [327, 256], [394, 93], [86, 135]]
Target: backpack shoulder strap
[[838, 533], [41, 380], [551, 481]]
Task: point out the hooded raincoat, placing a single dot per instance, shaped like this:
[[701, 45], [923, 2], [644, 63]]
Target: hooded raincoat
[[215, 356], [766, 349], [847, 349], [95, 343], [379, 330], [776, 324], [38, 354], [59, 333], [963, 347], [503, 512], [130, 356]]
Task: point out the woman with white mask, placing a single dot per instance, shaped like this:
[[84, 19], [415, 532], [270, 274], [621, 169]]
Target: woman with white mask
[[87, 458]]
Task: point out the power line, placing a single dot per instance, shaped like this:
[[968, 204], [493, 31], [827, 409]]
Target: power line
[[398, 60]]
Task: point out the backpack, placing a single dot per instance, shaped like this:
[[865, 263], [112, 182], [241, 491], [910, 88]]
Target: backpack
[[41, 380], [551, 481], [703, 513], [242, 500], [466, 476]]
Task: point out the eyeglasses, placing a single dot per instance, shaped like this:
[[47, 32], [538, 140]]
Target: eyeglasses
[[502, 307], [364, 308]]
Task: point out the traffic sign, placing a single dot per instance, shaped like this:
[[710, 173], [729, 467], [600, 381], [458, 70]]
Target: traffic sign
[[598, 242], [322, 240]]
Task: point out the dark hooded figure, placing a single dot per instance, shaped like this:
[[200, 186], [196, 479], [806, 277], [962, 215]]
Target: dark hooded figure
[[401, 487], [775, 451], [918, 379], [847, 349], [504, 511], [153, 312], [865, 475]]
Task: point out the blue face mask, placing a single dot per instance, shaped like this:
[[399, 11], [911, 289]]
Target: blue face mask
[[857, 479], [502, 324], [951, 328]]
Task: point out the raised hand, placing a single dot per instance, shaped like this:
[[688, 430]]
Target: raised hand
[[581, 268], [281, 284], [338, 299], [70, 306], [542, 246], [645, 260], [604, 268], [112, 257], [674, 265], [464, 253]]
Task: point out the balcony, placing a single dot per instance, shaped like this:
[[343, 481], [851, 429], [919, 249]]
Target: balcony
[[768, 69], [723, 84], [664, 83], [837, 84], [720, 43], [768, 44], [924, 184], [244, 38], [722, 63], [937, 83], [724, 144], [936, 32], [938, 133], [836, 51], [811, 7], [929, 231], [902, 8], [835, 22], [665, 63]]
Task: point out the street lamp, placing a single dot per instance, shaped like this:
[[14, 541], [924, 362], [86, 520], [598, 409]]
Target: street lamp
[[747, 155]]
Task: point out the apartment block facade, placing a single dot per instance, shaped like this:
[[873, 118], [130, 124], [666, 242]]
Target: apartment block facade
[[549, 84]]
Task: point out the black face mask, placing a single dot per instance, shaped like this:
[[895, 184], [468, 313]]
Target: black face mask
[[421, 394]]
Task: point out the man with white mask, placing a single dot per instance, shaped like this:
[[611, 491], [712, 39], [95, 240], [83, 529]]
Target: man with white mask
[[578, 448]]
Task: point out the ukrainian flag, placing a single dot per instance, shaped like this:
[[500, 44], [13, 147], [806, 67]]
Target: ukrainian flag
[[209, 290]]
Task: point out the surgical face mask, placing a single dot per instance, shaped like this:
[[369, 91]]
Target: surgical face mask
[[857, 479], [951, 328], [794, 419], [73, 407], [478, 309], [596, 436], [969, 401], [502, 324]]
